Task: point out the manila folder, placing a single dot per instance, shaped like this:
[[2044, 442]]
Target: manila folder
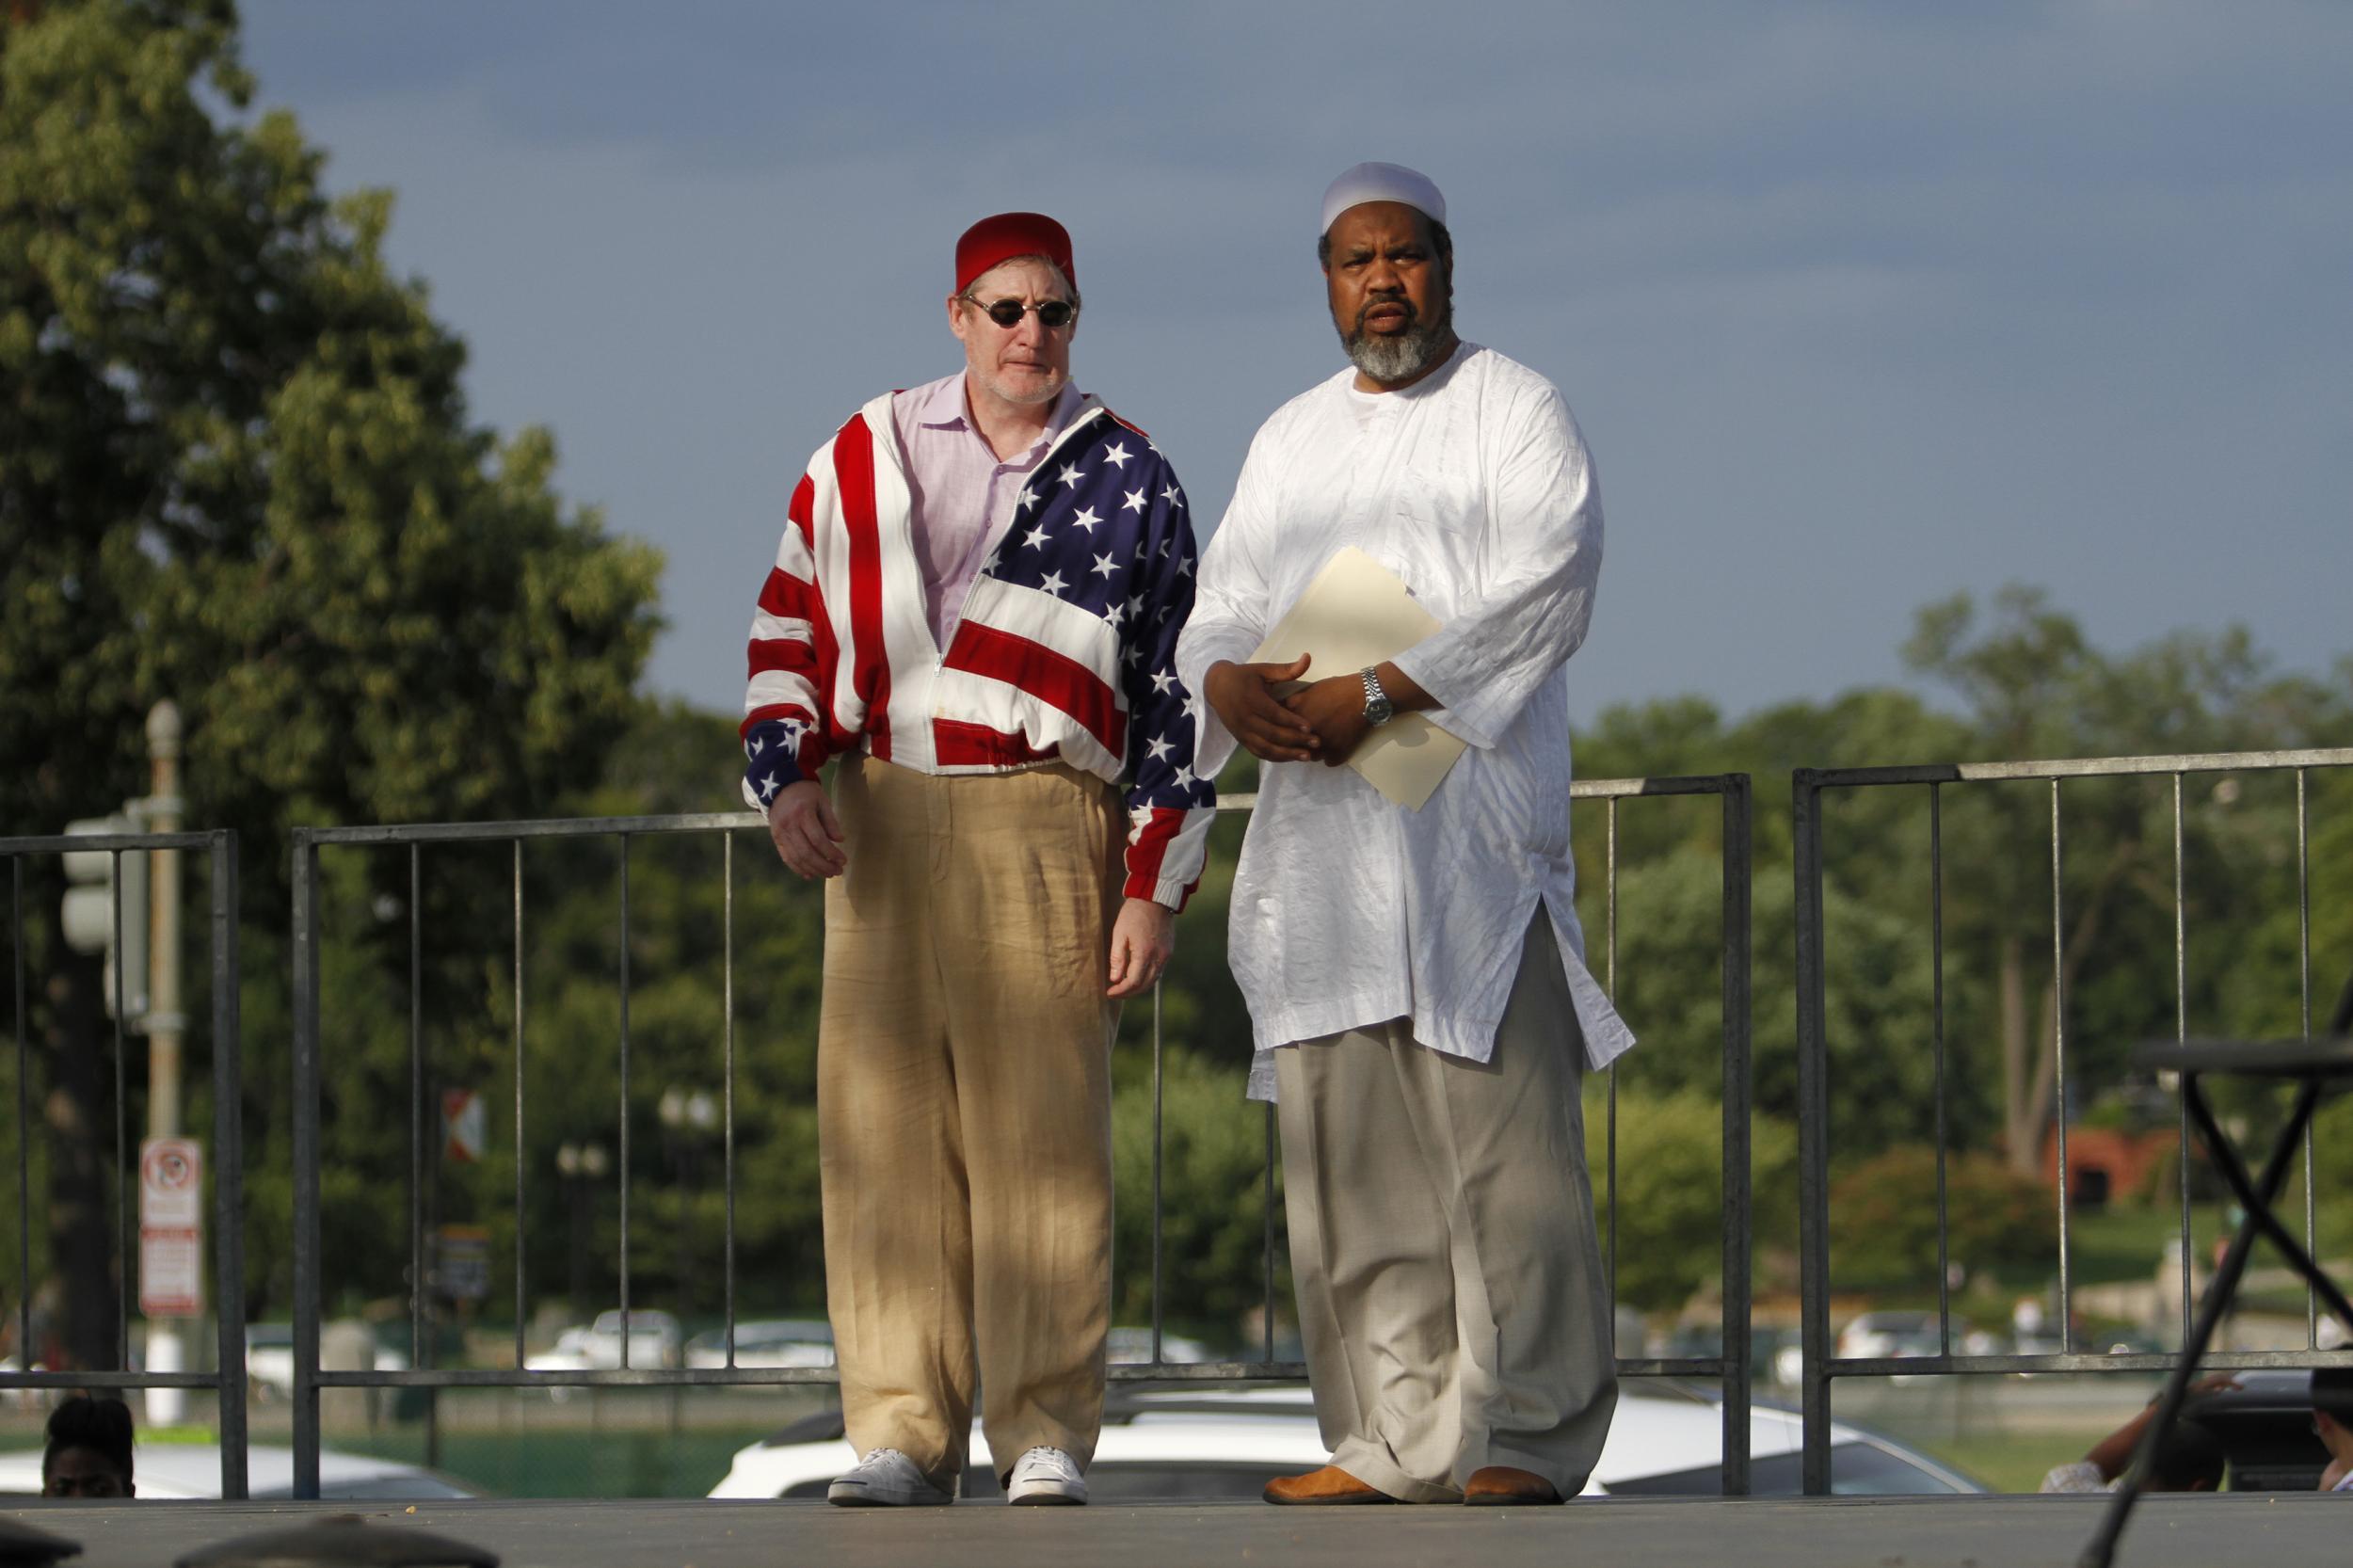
[[1354, 614]]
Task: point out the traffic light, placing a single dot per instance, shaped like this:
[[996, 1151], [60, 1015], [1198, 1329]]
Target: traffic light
[[94, 880]]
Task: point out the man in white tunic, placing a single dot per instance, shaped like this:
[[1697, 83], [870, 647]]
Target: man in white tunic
[[1416, 979]]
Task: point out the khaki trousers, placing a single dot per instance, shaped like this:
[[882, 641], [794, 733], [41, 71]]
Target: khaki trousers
[[1449, 1280], [964, 1109]]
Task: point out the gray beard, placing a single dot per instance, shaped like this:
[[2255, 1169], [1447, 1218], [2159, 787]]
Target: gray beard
[[1401, 357]]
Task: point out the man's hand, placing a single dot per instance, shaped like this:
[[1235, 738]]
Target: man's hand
[[1254, 715], [1334, 711], [807, 835], [1142, 938]]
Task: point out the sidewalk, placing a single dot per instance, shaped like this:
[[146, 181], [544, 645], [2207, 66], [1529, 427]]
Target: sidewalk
[[1842, 1532]]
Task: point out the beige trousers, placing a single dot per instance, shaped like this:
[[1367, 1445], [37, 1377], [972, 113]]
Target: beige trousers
[[964, 1109], [1449, 1280]]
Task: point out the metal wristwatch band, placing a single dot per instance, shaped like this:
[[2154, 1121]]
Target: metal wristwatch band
[[1378, 708]]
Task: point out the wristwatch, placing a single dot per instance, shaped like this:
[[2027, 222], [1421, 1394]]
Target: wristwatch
[[1379, 710]]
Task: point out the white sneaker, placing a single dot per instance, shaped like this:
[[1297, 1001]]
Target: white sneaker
[[885, 1479], [1045, 1476]]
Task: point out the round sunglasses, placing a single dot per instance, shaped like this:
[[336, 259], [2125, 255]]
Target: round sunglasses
[[1051, 315]]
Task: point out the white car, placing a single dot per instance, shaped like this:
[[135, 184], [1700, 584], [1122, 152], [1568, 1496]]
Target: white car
[[269, 1360], [1228, 1445], [183, 1470], [1133, 1346], [654, 1343], [767, 1342]]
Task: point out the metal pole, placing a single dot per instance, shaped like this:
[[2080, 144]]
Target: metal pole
[[1740, 1089], [521, 1308], [1609, 1074], [1813, 1132], [166, 1350], [229, 1166], [306, 1164], [727, 862], [623, 1164], [24, 1122], [2058, 1058], [1936, 945]]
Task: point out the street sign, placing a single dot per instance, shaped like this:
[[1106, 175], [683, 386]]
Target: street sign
[[464, 1126], [461, 1267], [171, 1227], [171, 1183]]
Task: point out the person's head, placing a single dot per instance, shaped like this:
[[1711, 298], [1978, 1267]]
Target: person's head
[[1389, 271], [2333, 1411], [1007, 267], [89, 1450], [2189, 1460], [2334, 1436]]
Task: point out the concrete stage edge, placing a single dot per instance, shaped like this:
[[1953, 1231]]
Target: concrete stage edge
[[2275, 1531]]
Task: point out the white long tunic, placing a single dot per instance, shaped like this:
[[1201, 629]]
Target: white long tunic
[[1474, 486]]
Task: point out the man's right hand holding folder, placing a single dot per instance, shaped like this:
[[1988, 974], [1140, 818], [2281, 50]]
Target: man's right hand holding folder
[[1323, 719]]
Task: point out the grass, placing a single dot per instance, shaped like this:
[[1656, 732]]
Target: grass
[[646, 1462]]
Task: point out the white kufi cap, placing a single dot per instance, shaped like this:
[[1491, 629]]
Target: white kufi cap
[[1382, 183]]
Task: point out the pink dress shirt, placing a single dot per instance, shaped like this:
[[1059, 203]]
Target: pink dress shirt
[[962, 496]]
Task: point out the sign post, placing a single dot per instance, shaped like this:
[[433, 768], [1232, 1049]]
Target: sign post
[[171, 1229]]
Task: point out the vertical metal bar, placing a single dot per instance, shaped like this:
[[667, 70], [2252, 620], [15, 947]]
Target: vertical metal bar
[[1609, 1258], [521, 1309], [1159, 1084], [1812, 1131], [416, 1105], [1936, 987], [126, 1239], [2181, 1032], [1739, 1092], [1269, 1211], [229, 1167], [306, 1164], [2058, 1057], [23, 1120], [624, 1137], [726, 949], [2304, 1016]]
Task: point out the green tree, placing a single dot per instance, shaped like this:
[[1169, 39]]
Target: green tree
[[1883, 1218], [2035, 686], [1669, 1210], [236, 468]]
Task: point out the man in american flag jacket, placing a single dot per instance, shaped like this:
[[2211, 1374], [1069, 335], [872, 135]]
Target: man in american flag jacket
[[973, 615]]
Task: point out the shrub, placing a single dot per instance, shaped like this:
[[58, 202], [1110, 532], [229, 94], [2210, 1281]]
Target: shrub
[[1883, 1218]]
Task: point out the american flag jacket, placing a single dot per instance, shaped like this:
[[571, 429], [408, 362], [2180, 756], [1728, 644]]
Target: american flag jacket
[[1066, 648]]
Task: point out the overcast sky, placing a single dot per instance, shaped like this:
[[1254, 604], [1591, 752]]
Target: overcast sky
[[1858, 304]]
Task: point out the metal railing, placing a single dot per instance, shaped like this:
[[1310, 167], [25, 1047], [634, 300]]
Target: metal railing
[[310, 1379], [1808, 787], [227, 1382]]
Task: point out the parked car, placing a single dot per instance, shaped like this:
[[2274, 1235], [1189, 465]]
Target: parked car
[[1133, 1346], [1228, 1445], [182, 1470], [653, 1342], [269, 1360], [767, 1342], [2265, 1424]]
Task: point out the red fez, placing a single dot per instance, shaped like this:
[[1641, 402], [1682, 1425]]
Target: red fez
[[994, 240]]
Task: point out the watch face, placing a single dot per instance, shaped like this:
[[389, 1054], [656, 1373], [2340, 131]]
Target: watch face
[[1380, 711]]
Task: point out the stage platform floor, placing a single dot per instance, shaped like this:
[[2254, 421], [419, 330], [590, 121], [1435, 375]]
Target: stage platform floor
[[2275, 1531]]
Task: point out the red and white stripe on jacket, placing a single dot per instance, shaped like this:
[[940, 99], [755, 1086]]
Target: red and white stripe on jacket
[[1066, 648]]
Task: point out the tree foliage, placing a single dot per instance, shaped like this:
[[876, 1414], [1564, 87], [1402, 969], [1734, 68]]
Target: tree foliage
[[1883, 1212], [237, 469]]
